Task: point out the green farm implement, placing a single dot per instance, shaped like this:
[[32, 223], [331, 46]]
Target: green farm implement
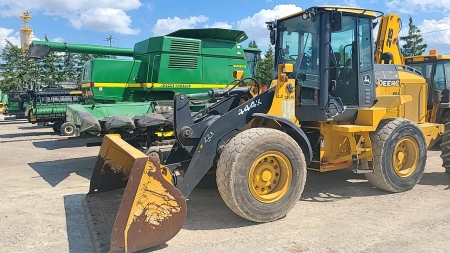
[[15, 102], [134, 97], [49, 106], [3, 101]]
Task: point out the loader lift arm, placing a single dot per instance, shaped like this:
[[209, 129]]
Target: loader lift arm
[[387, 41], [200, 141]]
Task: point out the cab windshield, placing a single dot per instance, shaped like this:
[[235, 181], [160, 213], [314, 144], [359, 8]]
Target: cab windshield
[[252, 60], [436, 78], [298, 44]]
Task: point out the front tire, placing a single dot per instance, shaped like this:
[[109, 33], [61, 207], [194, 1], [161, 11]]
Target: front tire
[[261, 174], [399, 155]]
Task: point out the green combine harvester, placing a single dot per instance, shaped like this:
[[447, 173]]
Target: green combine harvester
[[134, 96]]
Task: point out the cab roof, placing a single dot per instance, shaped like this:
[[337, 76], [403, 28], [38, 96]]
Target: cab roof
[[431, 56], [344, 9], [211, 33]]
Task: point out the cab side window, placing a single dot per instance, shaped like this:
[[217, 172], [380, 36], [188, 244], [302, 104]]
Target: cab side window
[[345, 59], [439, 76], [365, 52]]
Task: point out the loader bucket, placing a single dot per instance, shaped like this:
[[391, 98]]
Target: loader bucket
[[132, 204]]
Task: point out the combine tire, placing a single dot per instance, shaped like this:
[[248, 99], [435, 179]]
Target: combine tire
[[261, 174], [399, 155], [57, 127], [445, 148], [68, 129]]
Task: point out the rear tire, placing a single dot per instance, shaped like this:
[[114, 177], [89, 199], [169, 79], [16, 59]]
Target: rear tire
[[68, 129], [244, 183], [445, 118], [405, 139], [445, 148]]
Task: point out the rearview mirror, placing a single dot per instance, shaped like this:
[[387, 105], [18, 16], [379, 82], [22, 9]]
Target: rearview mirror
[[336, 21], [271, 27]]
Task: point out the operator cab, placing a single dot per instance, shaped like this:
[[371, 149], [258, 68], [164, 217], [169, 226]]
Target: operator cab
[[435, 68], [331, 50]]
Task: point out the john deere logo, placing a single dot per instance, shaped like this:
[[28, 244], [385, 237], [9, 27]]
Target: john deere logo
[[366, 79]]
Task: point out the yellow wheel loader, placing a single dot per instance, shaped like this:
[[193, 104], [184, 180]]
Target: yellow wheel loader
[[329, 108]]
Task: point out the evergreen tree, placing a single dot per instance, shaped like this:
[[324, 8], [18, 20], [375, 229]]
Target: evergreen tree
[[80, 61], [264, 72], [69, 71], [413, 45], [20, 73], [252, 44], [51, 71], [10, 76]]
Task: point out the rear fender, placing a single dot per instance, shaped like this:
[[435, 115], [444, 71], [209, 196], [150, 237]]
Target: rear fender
[[297, 132]]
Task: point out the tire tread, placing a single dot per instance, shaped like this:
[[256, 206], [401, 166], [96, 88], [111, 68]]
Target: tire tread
[[378, 138], [227, 161]]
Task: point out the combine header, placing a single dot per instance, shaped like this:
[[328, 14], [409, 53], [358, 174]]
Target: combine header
[[50, 105]]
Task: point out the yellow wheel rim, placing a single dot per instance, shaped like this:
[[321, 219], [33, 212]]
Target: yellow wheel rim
[[270, 177], [405, 157]]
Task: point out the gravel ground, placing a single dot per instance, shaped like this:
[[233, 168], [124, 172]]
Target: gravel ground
[[44, 181]]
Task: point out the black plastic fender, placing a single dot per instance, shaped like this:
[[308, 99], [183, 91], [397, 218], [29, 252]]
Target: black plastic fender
[[300, 136]]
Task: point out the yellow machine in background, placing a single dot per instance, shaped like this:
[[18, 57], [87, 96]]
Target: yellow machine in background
[[331, 107], [434, 68]]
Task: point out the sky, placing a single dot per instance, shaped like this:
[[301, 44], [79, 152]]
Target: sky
[[131, 21]]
